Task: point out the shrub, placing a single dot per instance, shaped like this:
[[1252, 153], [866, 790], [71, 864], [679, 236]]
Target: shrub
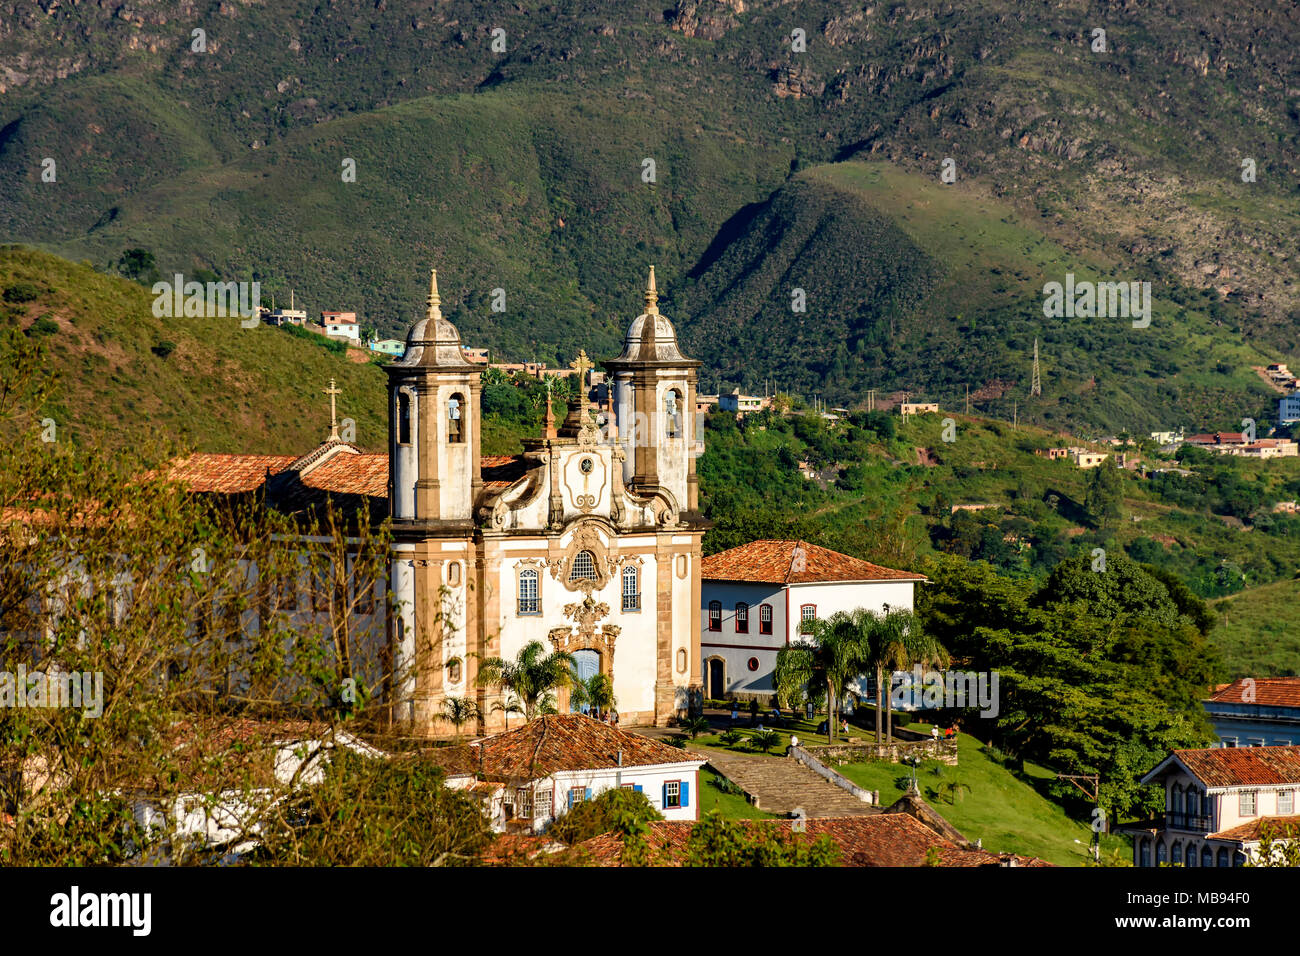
[[21, 292], [764, 740], [163, 349], [42, 326], [594, 817], [731, 738]]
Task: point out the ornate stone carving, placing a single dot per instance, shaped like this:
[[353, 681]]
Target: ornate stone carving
[[586, 537]]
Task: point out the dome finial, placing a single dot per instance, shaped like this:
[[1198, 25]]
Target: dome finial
[[434, 301], [651, 295]]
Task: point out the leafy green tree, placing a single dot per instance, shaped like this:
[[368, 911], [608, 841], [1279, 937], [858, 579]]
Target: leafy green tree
[[615, 808], [596, 691], [1103, 498], [835, 655], [460, 710], [531, 677], [717, 842], [138, 265]]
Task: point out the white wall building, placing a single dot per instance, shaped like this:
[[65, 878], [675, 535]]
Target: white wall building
[[528, 776], [341, 325], [1288, 410], [755, 597]]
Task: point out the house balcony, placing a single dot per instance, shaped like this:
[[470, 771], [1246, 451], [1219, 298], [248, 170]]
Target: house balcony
[[1191, 822]]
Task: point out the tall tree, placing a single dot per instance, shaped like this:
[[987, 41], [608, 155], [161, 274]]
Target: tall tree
[[833, 658]]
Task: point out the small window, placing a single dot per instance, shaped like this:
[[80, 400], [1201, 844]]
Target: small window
[[584, 567], [672, 794], [524, 803], [631, 590], [542, 803], [715, 615], [577, 795], [765, 619], [752, 663], [453, 671], [673, 413], [529, 602], [681, 660], [455, 431], [1207, 856], [742, 618], [453, 574], [808, 612], [1246, 805], [403, 418], [1223, 857], [1285, 802]]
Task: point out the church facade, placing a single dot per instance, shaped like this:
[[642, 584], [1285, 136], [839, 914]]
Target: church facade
[[589, 542]]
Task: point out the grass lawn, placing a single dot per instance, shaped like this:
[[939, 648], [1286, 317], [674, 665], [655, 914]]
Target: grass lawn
[[1001, 808], [805, 730], [732, 806]]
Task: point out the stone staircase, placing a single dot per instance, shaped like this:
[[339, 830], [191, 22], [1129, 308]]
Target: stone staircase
[[781, 783]]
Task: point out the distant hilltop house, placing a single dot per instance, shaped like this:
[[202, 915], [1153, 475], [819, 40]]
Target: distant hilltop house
[[743, 404], [341, 325], [1086, 457], [1218, 803], [1254, 712], [704, 402], [1053, 454], [755, 598], [1168, 438], [281, 317], [918, 408], [388, 346]]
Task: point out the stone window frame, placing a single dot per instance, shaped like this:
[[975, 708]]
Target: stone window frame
[[630, 601], [535, 566], [765, 626], [456, 413]]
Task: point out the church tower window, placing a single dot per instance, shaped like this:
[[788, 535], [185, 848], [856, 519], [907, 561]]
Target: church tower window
[[673, 413], [403, 418], [455, 430], [584, 567], [631, 590]]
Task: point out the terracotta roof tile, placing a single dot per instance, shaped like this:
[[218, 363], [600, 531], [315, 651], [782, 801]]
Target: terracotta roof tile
[[227, 474], [1261, 692], [886, 839], [794, 562], [1243, 766], [559, 742], [1253, 830]]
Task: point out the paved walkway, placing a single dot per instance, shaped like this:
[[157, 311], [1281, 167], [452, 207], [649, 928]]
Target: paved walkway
[[782, 783]]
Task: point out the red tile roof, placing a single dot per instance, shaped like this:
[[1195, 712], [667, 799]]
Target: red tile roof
[[794, 562], [1261, 691], [1218, 438], [227, 474], [1243, 766], [1252, 831], [351, 474], [885, 839], [559, 742]]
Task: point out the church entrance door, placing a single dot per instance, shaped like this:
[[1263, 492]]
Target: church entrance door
[[587, 664]]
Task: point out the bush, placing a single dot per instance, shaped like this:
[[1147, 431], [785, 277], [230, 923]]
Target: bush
[[163, 349], [42, 326], [21, 292], [594, 817]]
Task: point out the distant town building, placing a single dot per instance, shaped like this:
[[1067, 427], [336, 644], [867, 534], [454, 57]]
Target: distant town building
[[1053, 454], [1086, 457], [1235, 443], [341, 325], [917, 408], [281, 317], [475, 356], [743, 404], [388, 346], [1167, 438], [1288, 410], [1256, 711], [704, 402]]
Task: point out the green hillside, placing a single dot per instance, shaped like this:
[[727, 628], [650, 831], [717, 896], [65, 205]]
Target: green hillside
[[522, 170], [1259, 630], [124, 378]]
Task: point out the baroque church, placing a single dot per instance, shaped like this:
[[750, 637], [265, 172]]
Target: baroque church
[[589, 542]]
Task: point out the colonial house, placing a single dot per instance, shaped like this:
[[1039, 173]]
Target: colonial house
[[741, 404], [388, 346], [756, 597], [1255, 712], [528, 776], [1218, 802]]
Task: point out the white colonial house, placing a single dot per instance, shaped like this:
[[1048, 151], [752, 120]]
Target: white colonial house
[[1218, 802], [341, 325], [756, 597], [528, 776]]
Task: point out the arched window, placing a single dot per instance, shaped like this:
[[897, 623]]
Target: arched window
[[1223, 857], [1191, 855], [403, 418], [765, 619], [742, 618], [1176, 800], [453, 671], [631, 590], [1207, 856], [1176, 854], [453, 574], [1162, 855], [529, 598], [455, 429], [1144, 853], [715, 615], [673, 413], [681, 660], [584, 567], [808, 612]]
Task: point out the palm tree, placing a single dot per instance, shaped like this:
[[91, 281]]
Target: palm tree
[[532, 676], [895, 641], [460, 711], [837, 654], [510, 706], [597, 691]]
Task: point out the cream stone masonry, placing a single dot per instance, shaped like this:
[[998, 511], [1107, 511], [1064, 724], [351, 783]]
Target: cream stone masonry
[[592, 545]]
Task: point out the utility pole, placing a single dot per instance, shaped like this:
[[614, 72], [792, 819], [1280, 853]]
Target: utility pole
[[871, 399], [1078, 780], [1036, 385], [968, 398], [1015, 415]]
